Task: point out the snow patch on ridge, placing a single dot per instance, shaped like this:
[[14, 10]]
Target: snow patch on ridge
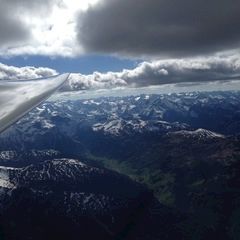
[[4, 177]]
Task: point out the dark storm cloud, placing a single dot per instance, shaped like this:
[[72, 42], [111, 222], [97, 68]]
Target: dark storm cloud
[[160, 27], [12, 29]]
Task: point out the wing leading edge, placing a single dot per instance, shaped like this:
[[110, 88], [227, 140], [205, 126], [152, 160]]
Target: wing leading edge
[[19, 97]]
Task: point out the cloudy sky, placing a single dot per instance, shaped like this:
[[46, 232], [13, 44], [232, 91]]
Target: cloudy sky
[[115, 43]]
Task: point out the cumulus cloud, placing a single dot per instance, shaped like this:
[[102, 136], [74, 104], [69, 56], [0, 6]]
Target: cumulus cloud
[[21, 73], [161, 72], [160, 28], [192, 70], [96, 80]]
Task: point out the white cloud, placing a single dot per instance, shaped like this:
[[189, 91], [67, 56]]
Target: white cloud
[[21, 73], [94, 81], [161, 72], [145, 74], [46, 27]]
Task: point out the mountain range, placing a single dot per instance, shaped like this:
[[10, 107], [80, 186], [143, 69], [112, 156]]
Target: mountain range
[[137, 167]]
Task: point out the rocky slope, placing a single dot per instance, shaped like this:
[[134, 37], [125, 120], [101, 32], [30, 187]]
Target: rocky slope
[[39, 200]]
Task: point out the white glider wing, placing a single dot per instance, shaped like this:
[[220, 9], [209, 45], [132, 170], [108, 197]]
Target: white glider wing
[[19, 97]]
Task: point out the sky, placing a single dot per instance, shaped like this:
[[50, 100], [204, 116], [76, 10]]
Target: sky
[[120, 43]]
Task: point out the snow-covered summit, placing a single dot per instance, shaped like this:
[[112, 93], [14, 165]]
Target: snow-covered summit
[[197, 134]]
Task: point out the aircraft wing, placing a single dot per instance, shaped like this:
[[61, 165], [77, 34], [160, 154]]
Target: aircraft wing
[[19, 97]]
